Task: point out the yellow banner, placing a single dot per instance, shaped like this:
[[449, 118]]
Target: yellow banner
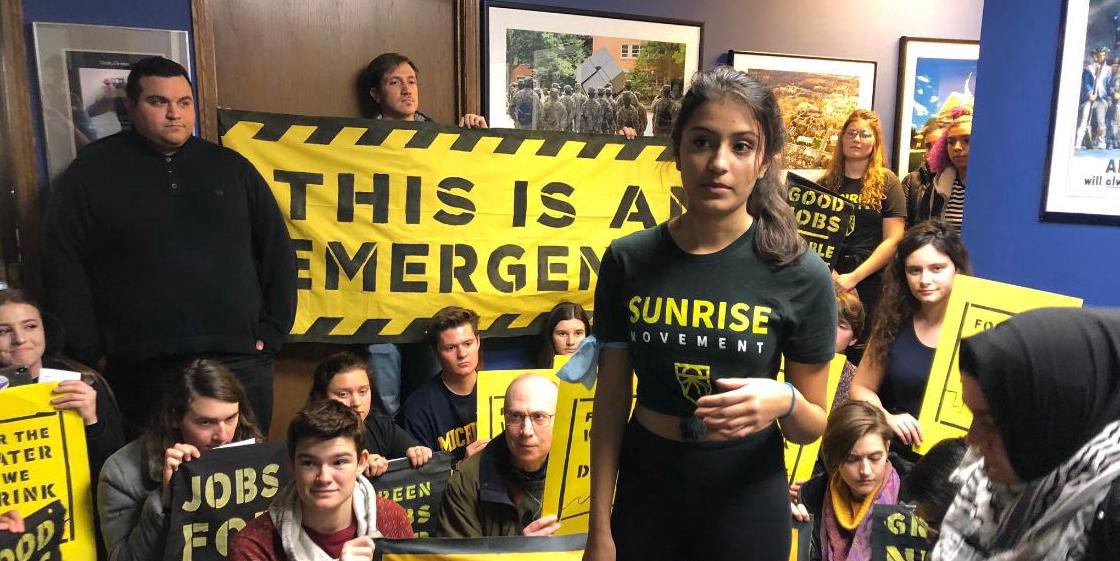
[[800, 458], [567, 485], [975, 305], [392, 221], [42, 460]]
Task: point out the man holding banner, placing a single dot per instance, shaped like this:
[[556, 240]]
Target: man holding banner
[[499, 492]]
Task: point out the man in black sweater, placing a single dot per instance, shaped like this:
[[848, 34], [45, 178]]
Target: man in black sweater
[[162, 247]]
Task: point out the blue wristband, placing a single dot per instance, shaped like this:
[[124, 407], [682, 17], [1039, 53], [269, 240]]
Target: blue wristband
[[792, 401]]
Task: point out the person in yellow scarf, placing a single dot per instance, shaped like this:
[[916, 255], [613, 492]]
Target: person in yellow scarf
[[859, 473]]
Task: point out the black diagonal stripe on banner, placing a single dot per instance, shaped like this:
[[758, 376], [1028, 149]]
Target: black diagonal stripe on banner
[[371, 328], [423, 138], [324, 134], [373, 136], [631, 150], [666, 155], [592, 148], [272, 131], [416, 329], [509, 145], [480, 546], [501, 324], [321, 328], [552, 147], [467, 140]]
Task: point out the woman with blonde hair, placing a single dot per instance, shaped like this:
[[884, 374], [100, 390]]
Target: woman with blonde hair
[[858, 173]]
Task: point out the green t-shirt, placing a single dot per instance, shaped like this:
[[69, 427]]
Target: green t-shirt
[[691, 319]]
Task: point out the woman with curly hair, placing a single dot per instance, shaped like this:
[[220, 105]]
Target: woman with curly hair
[[895, 368], [858, 173]]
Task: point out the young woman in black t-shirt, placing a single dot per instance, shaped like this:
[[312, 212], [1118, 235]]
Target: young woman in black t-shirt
[[895, 369], [703, 308], [858, 173]]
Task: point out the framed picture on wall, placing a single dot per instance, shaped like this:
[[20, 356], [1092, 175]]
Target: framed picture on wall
[[547, 68], [816, 95], [934, 77], [82, 74], [1082, 181]]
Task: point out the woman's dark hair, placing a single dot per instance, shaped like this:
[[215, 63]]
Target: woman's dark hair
[[776, 241], [898, 304], [201, 378], [325, 419], [849, 422], [372, 76], [560, 312], [152, 66], [332, 366], [928, 482]]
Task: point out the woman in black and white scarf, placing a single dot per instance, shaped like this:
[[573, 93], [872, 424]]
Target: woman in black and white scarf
[[1040, 480]]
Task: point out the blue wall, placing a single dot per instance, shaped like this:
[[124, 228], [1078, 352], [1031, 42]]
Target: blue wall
[[1018, 50]]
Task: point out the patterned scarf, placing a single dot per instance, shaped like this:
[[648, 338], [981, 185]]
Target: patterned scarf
[[1047, 519], [846, 535]]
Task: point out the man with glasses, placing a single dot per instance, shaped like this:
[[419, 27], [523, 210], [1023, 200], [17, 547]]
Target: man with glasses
[[499, 492]]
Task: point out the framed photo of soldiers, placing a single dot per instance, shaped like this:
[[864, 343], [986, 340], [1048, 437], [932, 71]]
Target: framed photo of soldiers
[[1082, 181], [554, 69], [816, 95], [934, 77], [83, 70]]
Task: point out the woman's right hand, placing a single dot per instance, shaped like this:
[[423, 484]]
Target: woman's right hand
[[799, 512], [600, 547], [907, 428], [173, 458]]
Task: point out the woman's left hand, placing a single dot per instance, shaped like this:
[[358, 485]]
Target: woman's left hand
[[845, 283], [746, 406], [79, 396]]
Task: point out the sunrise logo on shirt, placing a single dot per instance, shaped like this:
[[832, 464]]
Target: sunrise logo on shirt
[[695, 380]]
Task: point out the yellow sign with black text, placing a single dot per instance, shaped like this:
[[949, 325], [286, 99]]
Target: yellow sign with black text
[[392, 221], [800, 458], [43, 460], [975, 305]]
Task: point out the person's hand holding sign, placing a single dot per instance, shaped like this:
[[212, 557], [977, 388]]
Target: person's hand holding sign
[[543, 526], [377, 465], [173, 458], [418, 455], [357, 549], [79, 396], [12, 522]]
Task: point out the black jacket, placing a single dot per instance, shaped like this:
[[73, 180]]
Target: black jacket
[[147, 255], [384, 438], [1104, 534]]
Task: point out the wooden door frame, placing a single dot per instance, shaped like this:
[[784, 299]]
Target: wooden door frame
[[20, 213], [468, 64]]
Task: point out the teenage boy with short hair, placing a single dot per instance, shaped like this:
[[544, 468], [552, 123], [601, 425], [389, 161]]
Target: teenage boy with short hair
[[330, 510]]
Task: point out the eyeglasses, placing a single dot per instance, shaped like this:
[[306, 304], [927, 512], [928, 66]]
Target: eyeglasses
[[539, 418], [866, 135]]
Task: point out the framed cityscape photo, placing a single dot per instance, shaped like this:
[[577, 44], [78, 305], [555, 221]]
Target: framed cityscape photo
[[816, 95], [82, 74], [934, 77], [1082, 181], [530, 51]]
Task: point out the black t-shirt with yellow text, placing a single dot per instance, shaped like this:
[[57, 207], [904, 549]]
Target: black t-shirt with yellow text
[[441, 419], [692, 319], [866, 231]]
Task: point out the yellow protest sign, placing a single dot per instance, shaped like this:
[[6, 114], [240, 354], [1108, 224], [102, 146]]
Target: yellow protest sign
[[801, 457], [393, 220], [42, 460], [567, 485], [975, 305]]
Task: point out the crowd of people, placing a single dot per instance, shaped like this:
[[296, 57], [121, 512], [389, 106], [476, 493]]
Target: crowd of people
[[168, 266], [590, 110]]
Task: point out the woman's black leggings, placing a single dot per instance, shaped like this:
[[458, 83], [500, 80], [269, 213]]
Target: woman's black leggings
[[711, 501]]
